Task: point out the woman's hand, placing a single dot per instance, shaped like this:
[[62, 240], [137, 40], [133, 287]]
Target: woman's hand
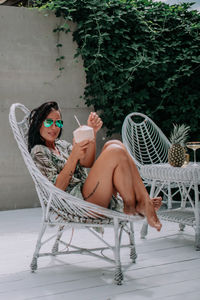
[[79, 149], [94, 121], [78, 153]]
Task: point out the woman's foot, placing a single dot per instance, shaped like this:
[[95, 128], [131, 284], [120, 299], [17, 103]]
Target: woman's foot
[[157, 202], [130, 210], [148, 209]]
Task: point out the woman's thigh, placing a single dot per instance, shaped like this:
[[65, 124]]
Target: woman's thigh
[[98, 187]]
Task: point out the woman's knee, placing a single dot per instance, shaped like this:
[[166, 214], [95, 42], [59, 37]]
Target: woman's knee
[[113, 142], [115, 151]]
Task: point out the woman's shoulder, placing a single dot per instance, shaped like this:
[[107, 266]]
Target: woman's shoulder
[[39, 149]]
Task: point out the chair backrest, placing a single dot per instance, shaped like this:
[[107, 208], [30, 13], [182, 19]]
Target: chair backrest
[[144, 140], [20, 132]]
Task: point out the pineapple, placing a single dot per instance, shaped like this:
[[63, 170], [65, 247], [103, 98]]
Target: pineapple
[[176, 154]]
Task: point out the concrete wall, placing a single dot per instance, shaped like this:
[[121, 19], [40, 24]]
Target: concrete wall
[[29, 75]]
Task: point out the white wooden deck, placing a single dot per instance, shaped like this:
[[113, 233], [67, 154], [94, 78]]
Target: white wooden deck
[[168, 267]]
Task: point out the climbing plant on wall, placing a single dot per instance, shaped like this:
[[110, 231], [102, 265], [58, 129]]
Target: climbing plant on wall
[[138, 55]]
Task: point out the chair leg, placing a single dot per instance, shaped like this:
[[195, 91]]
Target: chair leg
[[58, 237], [144, 230], [197, 238], [169, 202], [181, 226], [133, 254], [197, 214], [37, 248], [118, 277]]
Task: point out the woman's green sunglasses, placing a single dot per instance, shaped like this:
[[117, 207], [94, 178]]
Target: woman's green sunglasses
[[49, 122]]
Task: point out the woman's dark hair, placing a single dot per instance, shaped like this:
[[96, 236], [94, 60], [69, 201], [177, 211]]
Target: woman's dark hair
[[36, 118]]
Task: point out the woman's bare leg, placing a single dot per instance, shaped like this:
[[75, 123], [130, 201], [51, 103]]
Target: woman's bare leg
[[110, 172], [144, 204], [139, 187], [113, 170]]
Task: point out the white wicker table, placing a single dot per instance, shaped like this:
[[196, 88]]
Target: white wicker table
[[187, 179]]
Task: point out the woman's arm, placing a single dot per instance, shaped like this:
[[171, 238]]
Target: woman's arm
[[90, 154], [96, 123]]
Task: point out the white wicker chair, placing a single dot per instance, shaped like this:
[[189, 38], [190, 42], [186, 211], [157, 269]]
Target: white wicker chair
[[148, 147], [63, 210]]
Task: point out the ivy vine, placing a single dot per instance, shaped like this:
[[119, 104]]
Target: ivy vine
[[138, 55]]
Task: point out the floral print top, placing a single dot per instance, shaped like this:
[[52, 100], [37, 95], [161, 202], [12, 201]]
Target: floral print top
[[51, 164]]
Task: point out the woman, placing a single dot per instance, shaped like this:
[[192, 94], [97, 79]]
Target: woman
[[63, 164]]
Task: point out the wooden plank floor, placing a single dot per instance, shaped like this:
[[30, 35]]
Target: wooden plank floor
[[167, 267]]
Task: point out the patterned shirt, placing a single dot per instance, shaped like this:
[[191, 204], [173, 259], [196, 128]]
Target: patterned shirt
[[51, 164]]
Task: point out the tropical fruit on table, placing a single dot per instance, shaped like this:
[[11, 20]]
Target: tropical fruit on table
[[176, 154]]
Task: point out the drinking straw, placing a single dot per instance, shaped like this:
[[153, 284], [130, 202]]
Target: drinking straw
[[77, 120]]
